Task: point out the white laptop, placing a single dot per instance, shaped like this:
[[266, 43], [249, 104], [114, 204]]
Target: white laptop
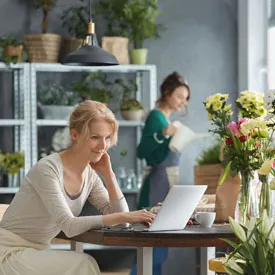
[[175, 211]]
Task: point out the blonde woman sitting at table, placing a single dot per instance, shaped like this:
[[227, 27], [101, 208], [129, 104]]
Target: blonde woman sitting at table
[[53, 194]]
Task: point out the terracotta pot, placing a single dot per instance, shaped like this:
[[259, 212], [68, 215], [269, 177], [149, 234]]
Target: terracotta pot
[[14, 51]]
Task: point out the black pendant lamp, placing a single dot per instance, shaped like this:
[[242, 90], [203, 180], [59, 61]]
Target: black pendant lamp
[[90, 54]]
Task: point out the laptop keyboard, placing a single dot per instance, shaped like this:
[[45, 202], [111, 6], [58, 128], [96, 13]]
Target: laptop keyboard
[[123, 227]]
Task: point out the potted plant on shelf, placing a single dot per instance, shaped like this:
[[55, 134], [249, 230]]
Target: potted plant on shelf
[[43, 47], [94, 86], [140, 16], [12, 49], [130, 108], [12, 164], [115, 39], [74, 19], [56, 102]]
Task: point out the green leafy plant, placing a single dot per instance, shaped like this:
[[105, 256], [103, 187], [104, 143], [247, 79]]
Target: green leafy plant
[[94, 86], [113, 14], [75, 19], [254, 251], [57, 95], [12, 162], [46, 6], [210, 155], [12, 49], [10, 41], [140, 16], [126, 89], [130, 105]]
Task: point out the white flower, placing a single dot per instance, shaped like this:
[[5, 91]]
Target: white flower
[[266, 167], [61, 139]]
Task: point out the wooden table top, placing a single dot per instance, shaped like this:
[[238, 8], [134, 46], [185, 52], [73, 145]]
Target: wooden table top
[[191, 236]]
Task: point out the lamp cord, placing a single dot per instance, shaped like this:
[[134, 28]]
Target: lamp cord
[[90, 11]]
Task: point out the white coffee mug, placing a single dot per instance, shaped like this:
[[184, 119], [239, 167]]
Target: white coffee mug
[[205, 219]]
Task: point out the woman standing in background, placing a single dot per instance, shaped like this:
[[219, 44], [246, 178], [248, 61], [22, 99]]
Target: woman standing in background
[[154, 148]]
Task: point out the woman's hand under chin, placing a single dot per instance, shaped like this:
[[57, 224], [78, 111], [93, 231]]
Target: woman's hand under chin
[[103, 167]]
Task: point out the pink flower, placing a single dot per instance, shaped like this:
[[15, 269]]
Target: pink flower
[[233, 127], [258, 144], [242, 120]]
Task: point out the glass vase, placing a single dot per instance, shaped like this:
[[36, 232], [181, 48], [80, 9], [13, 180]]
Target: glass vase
[[265, 202], [247, 203]]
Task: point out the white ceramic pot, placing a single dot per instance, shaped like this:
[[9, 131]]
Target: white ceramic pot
[[56, 111], [132, 115]]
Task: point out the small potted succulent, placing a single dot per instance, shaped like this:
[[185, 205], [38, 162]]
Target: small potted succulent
[[75, 20], [12, 49], [130, 108], [56, 102], [43, 47], [94, 86]]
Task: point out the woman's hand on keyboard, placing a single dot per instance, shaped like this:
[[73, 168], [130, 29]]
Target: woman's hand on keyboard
[[141, 216]]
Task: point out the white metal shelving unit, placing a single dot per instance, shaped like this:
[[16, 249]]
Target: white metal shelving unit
[[58, 68], [25, 104], [21, 115]]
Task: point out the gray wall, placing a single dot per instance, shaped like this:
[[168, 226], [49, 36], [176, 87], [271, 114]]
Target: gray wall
[[200, 42]]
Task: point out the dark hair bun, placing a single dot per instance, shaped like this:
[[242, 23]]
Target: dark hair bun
[[172, 82]]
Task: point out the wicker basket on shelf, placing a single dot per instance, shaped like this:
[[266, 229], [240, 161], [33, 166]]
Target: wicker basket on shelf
[[43, 48]]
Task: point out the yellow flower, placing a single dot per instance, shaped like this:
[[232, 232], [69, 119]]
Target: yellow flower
[[210, 117], [266, 167]]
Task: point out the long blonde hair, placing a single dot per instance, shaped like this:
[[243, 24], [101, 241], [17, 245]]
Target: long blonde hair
[[88, 111]]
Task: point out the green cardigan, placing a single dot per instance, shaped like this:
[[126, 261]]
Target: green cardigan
[[150, 149], [154, 148]]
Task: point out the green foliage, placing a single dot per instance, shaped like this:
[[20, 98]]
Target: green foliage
[[7, 41], [210, 155], [12, 162], [126, 88], [254, 251], [130, 105], [45, 4], [57, 95], [113, 14], [94, 86], [140, 16], [10, 41], [134, 19], [75, 19]]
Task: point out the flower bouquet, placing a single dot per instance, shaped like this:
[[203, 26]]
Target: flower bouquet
[[246, 141]]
